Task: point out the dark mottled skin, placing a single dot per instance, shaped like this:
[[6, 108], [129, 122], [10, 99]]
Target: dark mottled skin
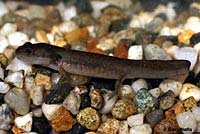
[[96, 65]]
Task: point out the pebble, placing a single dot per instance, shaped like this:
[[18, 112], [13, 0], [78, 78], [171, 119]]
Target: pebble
[[98, 6], [125, 34], [106, 44], [69, 13], [167, 100], [155, 92], [84, 20], [135, 120], [1, 73], [110, 126], [7, 29], [193, 24], [126, 92], [49, 110], [154, 117], [3, 43], [23, 100], [53, 14], [4, 87], [196, 111], [155, 25], [139, 84], [62, 120], [77, 129], [154, 52], [24, 122], [189, 90], [37, 112], [173, 85], [144, 101], [187, 120], [187, 53], [185, 36], [41, 36], [41, 125], [36, 94], [3, 60], [166, 126], [123, 108], [17, 39], [121, 51], [97, 100], [123, 127], [43, 80], [6, 117], [118, 25], [89, 118], [15, 78], [85, 101], [189, 103], [37, 11], [141, 129], [195, 39], [68, 26], [72, 102], [4, 8], [135, 52]]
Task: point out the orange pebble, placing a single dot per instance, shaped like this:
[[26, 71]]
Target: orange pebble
[[121, 51], [91, 43], [185, 36]]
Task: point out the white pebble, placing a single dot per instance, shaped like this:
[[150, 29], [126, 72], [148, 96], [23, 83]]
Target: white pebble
[[142, 129], [37, 112], [36, 95], [107, 44], [138, 84], [1, 73], [135, 120], [4, 87], [187, 120], [165, 31], [17, 39], [196, 113], [67, 26], [91, 30], [29, 83], [193, 23], [17, 65], [24, 122], [7, 29], [171, 50], [98, 6], [119, 3], [3, 44], [156, 92], [123, 127], [189, 90], [15, 78], [198, 127], [173, 85], [69, 13], [197, 47], [49, 109], [3, 8], [187, 53], [136, 22], [135, 52]]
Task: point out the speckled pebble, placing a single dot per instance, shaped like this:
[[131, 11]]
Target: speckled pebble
[[123, 127], [89, 118], [167, 100], [97, 100], [23, 100], [126, 92], [43, 80], [141, 129], [6, 117], [36, 94], [110, 126], [123, 108], [189, 103]]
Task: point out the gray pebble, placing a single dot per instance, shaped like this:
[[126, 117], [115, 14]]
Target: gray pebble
[[6, 117], [155, 117], [155, 25]]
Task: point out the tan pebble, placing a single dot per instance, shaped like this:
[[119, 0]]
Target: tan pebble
[[97, 100], [3, 59], [189, 103], [110, 126], [60, 43], [16, 130], [41, 36], [43, 80]]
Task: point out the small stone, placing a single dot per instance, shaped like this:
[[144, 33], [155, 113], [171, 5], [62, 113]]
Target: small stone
[[3, 44], [187, 53], [125, 34], [3, 132], [123, 108], [155, 25], [24, 122], [6, 117], [83, 6], [77, 129], [195, 39], [37, 11], [69, 13], [141, 129], [4, 8], [4, 87], [154, 52], [29, 83], [135, 120], [72, 102], [81, 35], [121, 51], [174, 111], [155, 92], [89, 118], [167, 100], [49, 110], [53, 14], [68, 26], [107, 44], [196, 111], [23, 100], [189, 90], [37, 112], [189, 103], [144, 101], [17, 39], [85, 101], [84, 19], [3, 59], [118, 25], [15, 78], [139, 84], [173, 85], [36, 95], [97, 100], [185, 36], [8, 28], [76, 80], [126, 92], [187, 120], [135, 52], [155, 117], [43, 80], [9, 52], [123, 127], [41, 36], [166, 126], [110, 126], [62, 120], [41, 125]]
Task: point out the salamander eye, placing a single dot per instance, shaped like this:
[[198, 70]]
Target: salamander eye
[[28, 51]]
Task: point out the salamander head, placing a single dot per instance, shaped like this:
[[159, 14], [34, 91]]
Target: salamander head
[[39, 54]]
